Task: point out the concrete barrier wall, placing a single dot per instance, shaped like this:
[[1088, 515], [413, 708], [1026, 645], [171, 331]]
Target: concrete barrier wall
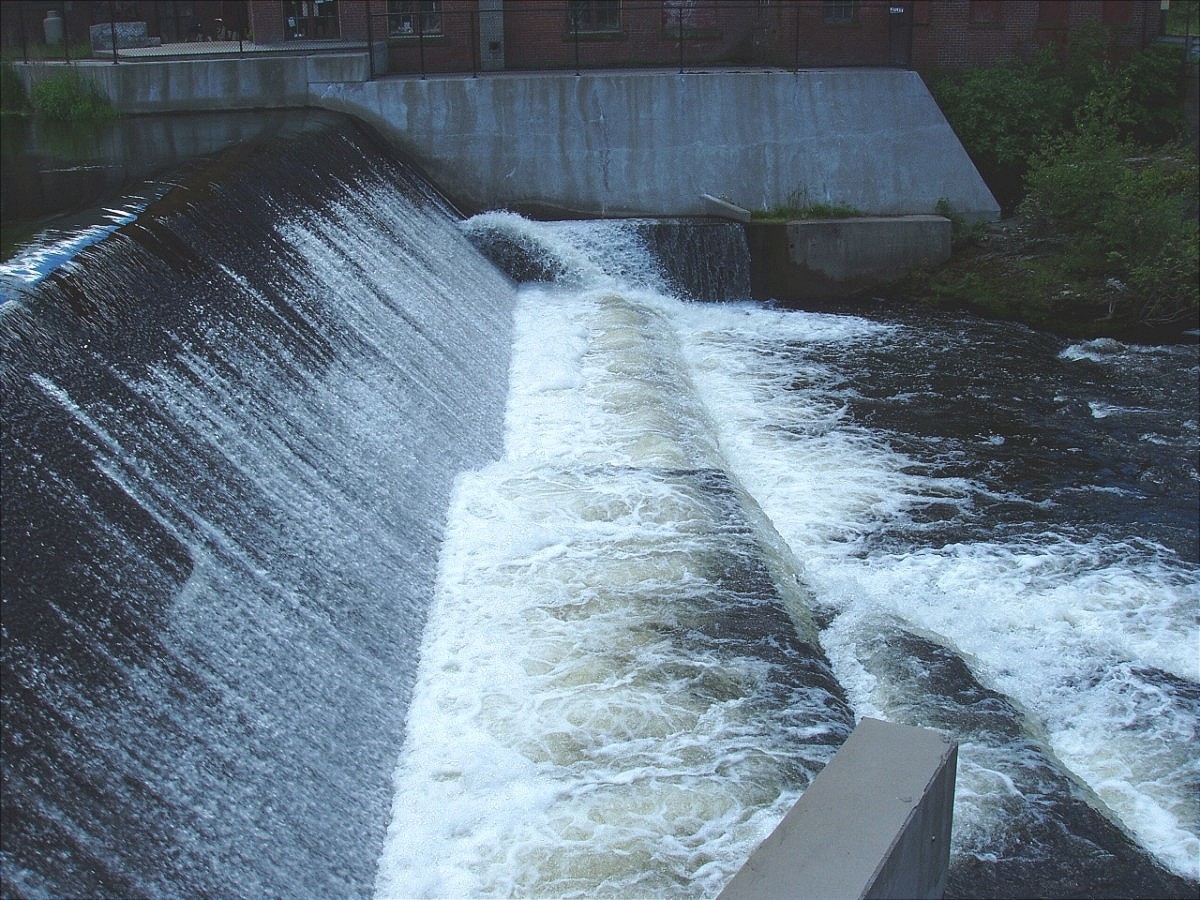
[[653, 143], [833, 258], [610, 143], [874, 823], [275, 81]]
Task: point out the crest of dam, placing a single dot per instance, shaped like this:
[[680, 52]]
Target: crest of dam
[[231, 431]]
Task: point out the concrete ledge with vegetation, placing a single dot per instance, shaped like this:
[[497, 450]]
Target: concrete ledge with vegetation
[[842, 256]]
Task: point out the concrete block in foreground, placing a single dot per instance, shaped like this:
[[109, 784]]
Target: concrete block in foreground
[[874, 823]]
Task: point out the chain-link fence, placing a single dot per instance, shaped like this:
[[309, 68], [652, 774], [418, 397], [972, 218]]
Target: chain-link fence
[[426, 37], [448, 36], [127, 31]]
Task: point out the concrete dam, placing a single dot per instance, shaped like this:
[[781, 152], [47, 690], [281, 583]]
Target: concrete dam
[[357, 546]]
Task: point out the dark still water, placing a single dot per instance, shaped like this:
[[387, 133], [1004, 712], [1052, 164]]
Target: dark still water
[[65, 185], [335, 563]]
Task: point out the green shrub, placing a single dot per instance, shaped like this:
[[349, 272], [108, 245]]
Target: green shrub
[[1005, 114], [69, 96], [1125, 218], [961, 231], [1002, 114]]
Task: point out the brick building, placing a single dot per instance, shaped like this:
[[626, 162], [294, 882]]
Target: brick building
[[482, 35], [461, 35]]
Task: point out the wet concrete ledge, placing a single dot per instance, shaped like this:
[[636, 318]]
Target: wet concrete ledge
[[874, 823], [837, 258]]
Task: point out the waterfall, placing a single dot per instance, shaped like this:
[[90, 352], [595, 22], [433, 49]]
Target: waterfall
[[337, 562], [230, 434]]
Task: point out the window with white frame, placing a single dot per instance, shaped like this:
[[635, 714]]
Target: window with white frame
[[413, 18], [839, 12]]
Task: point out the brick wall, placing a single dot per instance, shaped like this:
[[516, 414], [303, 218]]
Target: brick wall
[[960, 33], [266, 21], [785, 33]]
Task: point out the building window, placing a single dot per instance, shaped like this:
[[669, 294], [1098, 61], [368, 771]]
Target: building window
[[594, 15], [410, 18], [839, 12], [693, 16], [307, 19], [985, 12]]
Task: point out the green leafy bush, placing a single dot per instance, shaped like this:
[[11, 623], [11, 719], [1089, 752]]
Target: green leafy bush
[[69, 96], [1005, 114], [1124, 217]]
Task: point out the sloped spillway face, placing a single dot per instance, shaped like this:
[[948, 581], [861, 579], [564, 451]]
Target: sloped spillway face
[[230, 436], [621, 691]]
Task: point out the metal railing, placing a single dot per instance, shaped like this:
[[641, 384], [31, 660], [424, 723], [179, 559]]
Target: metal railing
[[423, 38], [99, 31], [682, 35]]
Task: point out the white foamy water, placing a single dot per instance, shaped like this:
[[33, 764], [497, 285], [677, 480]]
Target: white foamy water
[[1064, 624], [588, 720], [576, 730]]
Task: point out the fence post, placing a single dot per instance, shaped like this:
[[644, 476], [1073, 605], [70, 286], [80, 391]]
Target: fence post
[[679, 12], [370, 47], [66, 36], [475, 26], [112, 26], [21, 29], [421, 41], [796, 59]]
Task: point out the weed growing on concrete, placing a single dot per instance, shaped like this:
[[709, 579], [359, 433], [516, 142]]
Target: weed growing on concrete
[[798, 206], [69, 97]]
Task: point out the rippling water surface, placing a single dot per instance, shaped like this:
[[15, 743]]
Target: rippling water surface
[[975, 526]]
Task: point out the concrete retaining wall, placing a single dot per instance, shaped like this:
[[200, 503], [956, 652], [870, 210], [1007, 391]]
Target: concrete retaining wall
[[609, 143], [274, 81], [834, 258], [653, 143], [874, 823]]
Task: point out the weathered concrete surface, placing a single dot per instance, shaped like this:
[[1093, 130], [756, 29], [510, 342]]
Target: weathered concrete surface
[[654, 143], [834, 258], [643, 143], [874, 823], [872, 247], [274, 81]]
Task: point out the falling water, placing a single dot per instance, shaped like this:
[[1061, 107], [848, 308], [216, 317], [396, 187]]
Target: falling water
[[230, 432], [335, 563], [594, 711]]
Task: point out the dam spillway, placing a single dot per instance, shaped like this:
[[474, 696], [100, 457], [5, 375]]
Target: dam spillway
[[230, 435], [336, 563]]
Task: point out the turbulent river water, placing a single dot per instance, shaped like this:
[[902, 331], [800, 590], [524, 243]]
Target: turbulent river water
[[336, 563], [993, 531]]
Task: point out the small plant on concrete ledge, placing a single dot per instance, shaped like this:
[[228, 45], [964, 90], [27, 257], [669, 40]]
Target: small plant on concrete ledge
[[69, 97], [961, 232], [798, 206]]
